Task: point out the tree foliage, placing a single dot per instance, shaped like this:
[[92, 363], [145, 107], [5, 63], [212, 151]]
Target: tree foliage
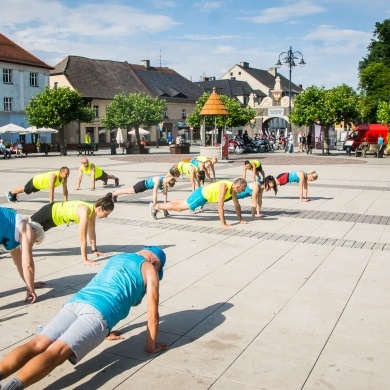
[[56, 108], [238, 115], [374, 71], [326, 107], [379, 47], [133, 111], [375, 87]]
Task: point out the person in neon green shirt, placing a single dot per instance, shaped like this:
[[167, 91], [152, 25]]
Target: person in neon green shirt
[[255, 167], [217, 192], [82, 213], [95, 172], [44, 181], [192, 171]]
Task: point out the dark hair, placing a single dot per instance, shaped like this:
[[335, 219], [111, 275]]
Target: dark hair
[[63, 169], [246, 162], [106, 203], [201, 175], [270, 179], [174, 171]]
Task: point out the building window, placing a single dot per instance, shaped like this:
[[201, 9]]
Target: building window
[[165, 114], [183, 113], [96, 109], [231, 73], [245, 100], [33, 79], [8, 104], [7, 76], [55, 84], [239, 73]]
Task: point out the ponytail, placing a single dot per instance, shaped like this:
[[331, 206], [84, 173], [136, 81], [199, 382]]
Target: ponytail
[[106, 203]]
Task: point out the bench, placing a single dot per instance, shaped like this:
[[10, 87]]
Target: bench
[[374, 149], [86, 148]]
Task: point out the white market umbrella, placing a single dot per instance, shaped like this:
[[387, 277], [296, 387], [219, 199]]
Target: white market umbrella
[[39, 130], [11, 128], [141, 131], [119, 136], [228, 132]]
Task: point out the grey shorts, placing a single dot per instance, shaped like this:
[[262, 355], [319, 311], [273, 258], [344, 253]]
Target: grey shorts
[[80, 326]]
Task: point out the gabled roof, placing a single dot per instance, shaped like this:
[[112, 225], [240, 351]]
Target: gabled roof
[[13, 53], [98, 79], [166, 83], [267, 79], [230, 88], [103, 79]]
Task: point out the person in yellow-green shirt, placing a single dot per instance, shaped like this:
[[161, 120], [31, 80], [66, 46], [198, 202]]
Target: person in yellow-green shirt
[[255, 167], [217, 192], [44, 181], [191, 170], [95, 172], [76, 211]]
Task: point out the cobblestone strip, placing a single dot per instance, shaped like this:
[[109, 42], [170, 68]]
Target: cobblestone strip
[[256, 234]]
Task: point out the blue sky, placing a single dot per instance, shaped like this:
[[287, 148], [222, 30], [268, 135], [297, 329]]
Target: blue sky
[[202, 38]]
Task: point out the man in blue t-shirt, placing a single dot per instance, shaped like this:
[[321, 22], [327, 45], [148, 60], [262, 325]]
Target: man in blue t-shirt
[[89, 316]]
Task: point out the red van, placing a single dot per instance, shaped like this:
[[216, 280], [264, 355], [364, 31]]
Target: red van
[[370, 132]]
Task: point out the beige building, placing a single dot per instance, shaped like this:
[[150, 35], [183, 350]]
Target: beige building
[[98, 81]]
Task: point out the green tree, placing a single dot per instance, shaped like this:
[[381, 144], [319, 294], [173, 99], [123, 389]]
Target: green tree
[[133, 111], [326, 107], [56, 108], [375, 87], [374, 71], [383, 116], [379, 47], [346, 102], [238, 115]]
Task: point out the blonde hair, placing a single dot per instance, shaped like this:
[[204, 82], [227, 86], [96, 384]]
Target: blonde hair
[[313, 174], [38, 232]]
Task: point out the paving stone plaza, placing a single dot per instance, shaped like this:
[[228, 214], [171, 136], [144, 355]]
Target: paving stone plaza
[[296, 300]]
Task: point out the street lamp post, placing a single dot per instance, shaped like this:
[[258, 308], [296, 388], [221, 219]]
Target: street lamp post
[[288, 58]]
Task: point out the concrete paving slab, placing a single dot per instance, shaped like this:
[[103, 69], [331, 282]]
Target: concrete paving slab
[[296, 300]]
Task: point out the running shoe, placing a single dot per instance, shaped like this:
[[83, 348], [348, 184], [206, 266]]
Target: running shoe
[[153, 210], [197, 210], [166, 214], [117, 182], [115, 198], [104, 183], [11, 197]]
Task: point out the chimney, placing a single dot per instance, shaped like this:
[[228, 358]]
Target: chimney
[[272, 71], [146, 63], [244, 64], [300, 86]]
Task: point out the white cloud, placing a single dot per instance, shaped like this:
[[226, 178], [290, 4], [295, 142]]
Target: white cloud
[[200, 37], [286, 13], [208, 5]]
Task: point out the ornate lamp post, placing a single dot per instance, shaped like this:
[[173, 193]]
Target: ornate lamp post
[[288, 58]]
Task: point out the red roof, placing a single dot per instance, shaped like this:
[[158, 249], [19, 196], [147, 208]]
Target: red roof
[[13, 53]]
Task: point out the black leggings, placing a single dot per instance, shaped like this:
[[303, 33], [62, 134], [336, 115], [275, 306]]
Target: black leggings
[[44, 217]]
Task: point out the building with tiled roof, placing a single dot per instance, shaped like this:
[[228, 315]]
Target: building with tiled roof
[[22, 76], [271, 104], [98, 81]]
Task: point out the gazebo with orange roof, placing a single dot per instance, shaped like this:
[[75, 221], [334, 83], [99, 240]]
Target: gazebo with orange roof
[[214, 106]]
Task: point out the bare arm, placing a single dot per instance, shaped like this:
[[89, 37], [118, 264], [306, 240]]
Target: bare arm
[[302, 186], [156, 181], [165, 190], [253, 171], [152, 292], [192, 178], [65, 189], [221, 202], [79, 179], [23, 259], [82, 212], [244, 172], [238, 208], [92, 177], [53, 178]]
